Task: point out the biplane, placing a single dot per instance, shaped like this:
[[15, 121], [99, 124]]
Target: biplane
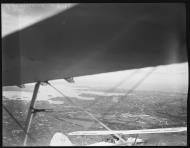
[[93, 38]]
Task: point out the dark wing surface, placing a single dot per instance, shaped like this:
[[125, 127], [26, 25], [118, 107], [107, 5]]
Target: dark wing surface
[[95, 38]]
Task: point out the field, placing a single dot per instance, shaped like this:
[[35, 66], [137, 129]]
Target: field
[[138, 110]]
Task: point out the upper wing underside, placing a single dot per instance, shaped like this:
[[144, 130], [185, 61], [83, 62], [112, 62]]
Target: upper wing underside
[[95, 38]]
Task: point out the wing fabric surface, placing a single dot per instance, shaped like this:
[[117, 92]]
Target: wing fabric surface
[[95, 38]]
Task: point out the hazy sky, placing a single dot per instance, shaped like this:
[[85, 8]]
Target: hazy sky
[[19, 16], [172, 77]]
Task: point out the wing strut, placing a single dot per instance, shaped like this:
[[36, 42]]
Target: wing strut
[[30, 112]]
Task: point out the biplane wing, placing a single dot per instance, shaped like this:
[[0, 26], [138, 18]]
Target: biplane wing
[[129, 132], [95, 38]]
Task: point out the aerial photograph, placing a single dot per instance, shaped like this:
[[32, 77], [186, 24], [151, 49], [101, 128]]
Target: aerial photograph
[[94, 74]]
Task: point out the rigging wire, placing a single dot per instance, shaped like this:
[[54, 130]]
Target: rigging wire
[[90, 114], [65, 120], [18, 123], [87, 112], [115, 86], [132, 89]]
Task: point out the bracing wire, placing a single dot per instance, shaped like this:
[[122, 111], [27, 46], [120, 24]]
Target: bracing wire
[[115, 86], [133, 88], [87, 112], [90, 114], [18, 123]]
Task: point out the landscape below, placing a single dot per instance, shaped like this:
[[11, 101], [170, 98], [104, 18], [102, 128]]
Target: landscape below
[[138, 110]]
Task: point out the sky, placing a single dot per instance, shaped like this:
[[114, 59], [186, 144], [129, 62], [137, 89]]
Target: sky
[[169, 78], [18, 16]]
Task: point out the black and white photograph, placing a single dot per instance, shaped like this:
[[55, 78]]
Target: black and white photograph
[[94, 74]]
